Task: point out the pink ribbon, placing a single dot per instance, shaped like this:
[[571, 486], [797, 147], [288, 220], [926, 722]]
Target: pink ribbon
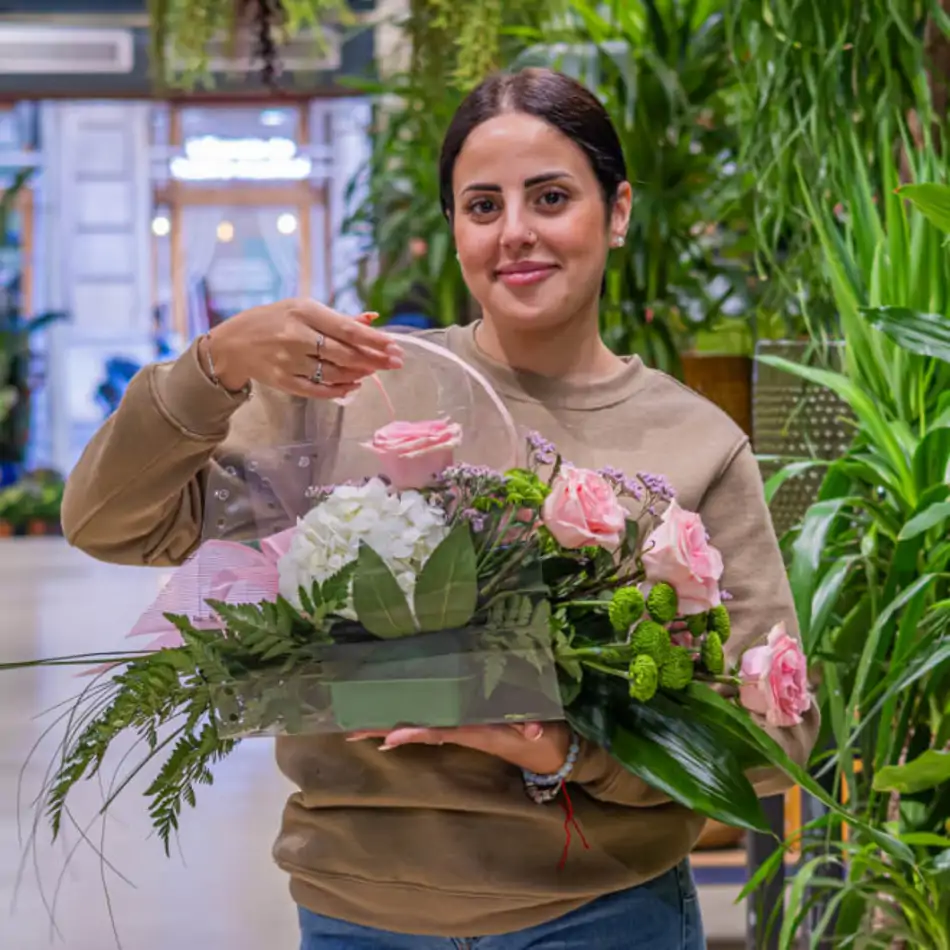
[[220, 570]]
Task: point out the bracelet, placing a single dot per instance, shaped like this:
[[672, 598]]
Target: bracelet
[[245, 390], [555, 780]]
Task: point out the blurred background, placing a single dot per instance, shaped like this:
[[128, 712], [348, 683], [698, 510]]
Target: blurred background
[[166, 164]]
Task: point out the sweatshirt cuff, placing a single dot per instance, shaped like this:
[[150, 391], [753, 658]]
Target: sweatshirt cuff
[[605, 779], [190, 401]]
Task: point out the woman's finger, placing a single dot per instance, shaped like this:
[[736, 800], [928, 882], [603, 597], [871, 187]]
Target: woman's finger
[[362, 361], [326, 373], [298, 386], [354, 333]]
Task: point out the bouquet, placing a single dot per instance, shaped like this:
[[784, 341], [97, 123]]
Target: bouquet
[[435, 592]]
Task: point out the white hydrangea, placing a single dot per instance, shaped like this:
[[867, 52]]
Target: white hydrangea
[[404, 529]]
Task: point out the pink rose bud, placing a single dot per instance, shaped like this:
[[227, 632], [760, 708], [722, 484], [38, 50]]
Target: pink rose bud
[[414, 454], [774, 679], [678, 553], [582, 509]]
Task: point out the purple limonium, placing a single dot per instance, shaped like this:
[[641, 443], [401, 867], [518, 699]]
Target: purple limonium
[[475, 518], [657, 485], [543, 451], [620, 482]]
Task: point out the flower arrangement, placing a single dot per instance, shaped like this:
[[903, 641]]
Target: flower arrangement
[[426, 595]]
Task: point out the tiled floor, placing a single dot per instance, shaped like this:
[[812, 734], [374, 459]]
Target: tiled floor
[[222, 891]]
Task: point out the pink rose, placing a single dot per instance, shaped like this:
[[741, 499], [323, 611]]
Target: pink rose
[[413, 454], [774, 679], [678, 553], [583, 509]]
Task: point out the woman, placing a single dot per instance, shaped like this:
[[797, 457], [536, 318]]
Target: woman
[[428, 839]]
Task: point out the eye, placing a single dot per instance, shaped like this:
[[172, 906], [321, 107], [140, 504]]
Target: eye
[[481, 206], [553, 199]]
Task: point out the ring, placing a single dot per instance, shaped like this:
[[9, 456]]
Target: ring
[[317, 377], [321, 339]]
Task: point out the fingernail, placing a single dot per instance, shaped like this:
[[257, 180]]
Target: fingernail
[[394, 349], [395, 362], [387, 748]]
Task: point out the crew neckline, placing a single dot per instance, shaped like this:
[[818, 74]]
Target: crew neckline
[[525, 386]]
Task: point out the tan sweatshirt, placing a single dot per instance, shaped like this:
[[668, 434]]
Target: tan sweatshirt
[[442, 840]]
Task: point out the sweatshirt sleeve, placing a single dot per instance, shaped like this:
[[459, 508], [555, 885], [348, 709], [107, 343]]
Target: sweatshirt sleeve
[[136, 496], [739, 524]]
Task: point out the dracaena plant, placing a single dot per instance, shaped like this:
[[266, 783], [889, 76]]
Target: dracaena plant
[[870, 562]]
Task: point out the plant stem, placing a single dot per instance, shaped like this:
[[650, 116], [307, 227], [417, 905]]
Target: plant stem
[[608, 670]]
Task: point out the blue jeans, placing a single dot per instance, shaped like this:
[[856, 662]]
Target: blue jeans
[[662, 914]]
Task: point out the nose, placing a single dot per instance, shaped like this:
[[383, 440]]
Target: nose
[[516, 232]]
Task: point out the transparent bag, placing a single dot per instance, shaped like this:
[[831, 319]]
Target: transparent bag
[[342, 584]]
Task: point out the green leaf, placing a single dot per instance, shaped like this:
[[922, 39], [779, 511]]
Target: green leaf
[[927, 771], [930, 518], [932, 199], [335, 590], [446, 589], [674, 752], [926, 334], [878, 428], [378, 599], [793, 470], [776, 755], [807, 552]]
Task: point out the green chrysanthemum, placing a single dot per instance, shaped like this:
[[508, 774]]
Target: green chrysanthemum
[[676, 672], [523, 489], [644, 678], [663, 603], [651, 639], [697, 624], [714, 659], [720, 623], [626, 608]]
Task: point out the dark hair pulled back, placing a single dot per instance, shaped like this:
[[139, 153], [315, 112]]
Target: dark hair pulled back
[[551, 96]]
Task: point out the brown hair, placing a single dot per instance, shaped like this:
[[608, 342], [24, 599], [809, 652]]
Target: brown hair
[[557, 99]]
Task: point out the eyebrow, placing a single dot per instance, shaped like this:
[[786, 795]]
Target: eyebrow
[[528, 183]]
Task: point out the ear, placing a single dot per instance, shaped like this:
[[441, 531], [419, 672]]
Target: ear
[[620, 210]]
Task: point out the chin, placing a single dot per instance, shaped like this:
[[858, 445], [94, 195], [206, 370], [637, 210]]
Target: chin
[[546, 311]]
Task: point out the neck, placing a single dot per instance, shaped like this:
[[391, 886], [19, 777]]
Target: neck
[[572, 351]]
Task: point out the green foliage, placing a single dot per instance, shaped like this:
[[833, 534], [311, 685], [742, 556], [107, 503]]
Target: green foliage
[[378, 600], [446, 591], [869, 564], [524, 489]]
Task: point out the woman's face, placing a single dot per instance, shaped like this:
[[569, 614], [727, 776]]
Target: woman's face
[[531, 226]]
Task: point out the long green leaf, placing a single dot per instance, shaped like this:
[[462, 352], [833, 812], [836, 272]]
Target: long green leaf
[[928, 770], [674, 752], [777, 756], [926, 334], [447, 587], [807, 552], [927, 519], [863, 406], [378, 600], [874, 647], [932, 199]]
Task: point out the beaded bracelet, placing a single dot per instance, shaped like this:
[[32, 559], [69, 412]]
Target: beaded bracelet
[[545, 788]]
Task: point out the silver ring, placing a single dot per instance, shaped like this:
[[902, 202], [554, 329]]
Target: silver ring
[[321, 339], [317, 377]]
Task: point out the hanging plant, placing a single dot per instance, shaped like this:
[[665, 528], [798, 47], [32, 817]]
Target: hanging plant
[[463, 40], [184, 33]]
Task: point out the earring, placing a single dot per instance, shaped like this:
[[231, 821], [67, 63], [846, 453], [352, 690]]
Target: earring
[[619, 241]]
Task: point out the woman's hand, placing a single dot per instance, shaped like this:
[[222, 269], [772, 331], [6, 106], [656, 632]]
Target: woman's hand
[[299, 346], [537, 747]]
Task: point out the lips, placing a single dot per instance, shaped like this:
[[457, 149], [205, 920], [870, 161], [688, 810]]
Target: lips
[[524, 273]]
